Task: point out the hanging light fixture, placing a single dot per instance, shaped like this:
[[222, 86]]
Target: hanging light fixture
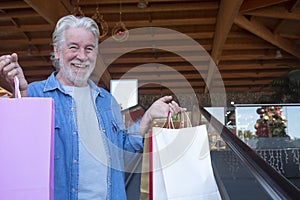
[[142, 4], [102, 24], [77, 11], [119, 32], [278, 54]]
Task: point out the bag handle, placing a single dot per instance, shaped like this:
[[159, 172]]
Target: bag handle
[[181, 125], [188, 124], [17, 87], [169, 120]]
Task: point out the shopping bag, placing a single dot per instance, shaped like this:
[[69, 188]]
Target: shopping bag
[[26, 148], [145, 175], [181, 165]]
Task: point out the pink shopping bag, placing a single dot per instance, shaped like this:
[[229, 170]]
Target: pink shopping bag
[[26, 148]]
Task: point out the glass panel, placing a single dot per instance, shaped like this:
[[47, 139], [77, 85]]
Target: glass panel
[[235, 179], [273, 131]]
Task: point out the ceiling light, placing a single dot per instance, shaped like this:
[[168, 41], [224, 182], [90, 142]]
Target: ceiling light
[[142, 4], [278, 54]]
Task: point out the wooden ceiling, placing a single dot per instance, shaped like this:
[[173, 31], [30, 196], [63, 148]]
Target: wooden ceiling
[[252, 42]]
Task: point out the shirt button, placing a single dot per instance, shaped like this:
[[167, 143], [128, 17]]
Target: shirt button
[[109, 183], [73, 190], [74, 161], [103, 130], [74, 132]]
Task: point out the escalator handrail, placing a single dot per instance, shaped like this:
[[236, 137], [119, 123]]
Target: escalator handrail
[[276, 185]]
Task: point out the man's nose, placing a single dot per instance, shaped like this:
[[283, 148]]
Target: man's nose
[[81, 54]]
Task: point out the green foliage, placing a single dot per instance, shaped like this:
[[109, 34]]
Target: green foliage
[[287, 87]]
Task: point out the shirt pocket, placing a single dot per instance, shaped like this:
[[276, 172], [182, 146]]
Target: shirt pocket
[[117, 134]]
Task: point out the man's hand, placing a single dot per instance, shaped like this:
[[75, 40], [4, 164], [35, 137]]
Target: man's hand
[[9, 68], [159, 109]]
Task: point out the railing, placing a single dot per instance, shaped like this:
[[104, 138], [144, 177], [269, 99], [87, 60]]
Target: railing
[[276, 185]]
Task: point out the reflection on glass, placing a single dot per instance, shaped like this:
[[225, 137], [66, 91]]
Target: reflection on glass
[[254, 121], [273, 131]]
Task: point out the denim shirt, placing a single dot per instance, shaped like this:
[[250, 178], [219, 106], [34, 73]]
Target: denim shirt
[[118, 141]]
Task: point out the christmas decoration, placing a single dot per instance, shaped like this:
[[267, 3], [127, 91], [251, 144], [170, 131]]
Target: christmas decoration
[[271, 122]]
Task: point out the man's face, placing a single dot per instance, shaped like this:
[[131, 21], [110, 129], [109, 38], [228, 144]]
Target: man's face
[[77, 57]]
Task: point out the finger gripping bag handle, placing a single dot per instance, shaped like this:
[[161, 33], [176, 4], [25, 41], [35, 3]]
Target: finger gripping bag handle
[[17, 88]]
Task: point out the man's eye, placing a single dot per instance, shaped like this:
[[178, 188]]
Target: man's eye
[[90, 49]]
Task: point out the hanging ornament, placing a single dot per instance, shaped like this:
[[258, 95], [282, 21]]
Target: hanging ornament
[[102, 24], [119, 32], [77, 11]]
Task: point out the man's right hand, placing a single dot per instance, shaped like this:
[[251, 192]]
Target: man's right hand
[[9, 68]]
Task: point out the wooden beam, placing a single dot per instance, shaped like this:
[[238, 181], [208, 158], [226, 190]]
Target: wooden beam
[[249, 5], [18, 14], [178, 67], [161, 7], [34, 53], [227, 12], [291, 7], [13, 5], [27, 28], [233, 66], [50, 11], [160, 77], [227, 65], [164, 91], [26, 41], [164, 59], [173, 84], [157, 77], [261, 31], [278, 12], [166, 22]]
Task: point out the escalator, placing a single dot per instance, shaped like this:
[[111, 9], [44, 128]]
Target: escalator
[[241, 172]]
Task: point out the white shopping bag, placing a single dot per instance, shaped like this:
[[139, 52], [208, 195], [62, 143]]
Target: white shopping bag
[[182, 167]]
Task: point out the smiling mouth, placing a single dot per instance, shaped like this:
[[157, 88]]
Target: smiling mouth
[[77, 65]]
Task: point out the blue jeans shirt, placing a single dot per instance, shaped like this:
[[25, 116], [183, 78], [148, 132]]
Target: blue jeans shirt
[[119, 143]]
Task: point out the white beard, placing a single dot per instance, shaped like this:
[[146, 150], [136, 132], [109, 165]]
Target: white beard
[[80, 77]]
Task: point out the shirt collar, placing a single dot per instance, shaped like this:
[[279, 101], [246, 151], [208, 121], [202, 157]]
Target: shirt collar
[[52, 83]]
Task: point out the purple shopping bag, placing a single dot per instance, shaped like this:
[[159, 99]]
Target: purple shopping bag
[[26, 148]]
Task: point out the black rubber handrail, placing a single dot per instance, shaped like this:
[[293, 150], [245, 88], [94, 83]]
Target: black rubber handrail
[[276, 185]]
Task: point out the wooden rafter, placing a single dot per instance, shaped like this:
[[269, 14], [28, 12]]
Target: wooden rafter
[[261, 31], [249, 5], [227, 12], [51, 12], [275, 12]]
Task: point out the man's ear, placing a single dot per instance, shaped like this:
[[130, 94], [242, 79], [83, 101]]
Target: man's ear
[[55, 50]]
